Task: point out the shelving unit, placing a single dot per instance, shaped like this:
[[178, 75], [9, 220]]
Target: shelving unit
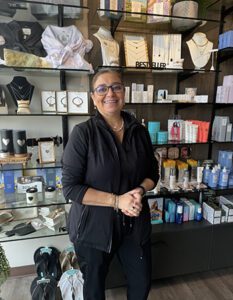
[[173, 246]]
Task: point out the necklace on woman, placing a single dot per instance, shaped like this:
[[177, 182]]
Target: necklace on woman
[[114, 128]]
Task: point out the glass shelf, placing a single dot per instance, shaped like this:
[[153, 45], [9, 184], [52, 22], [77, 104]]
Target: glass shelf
[[119, 22], [35, 71], [67, 3], [169, 103], [125, 69], [224, 142], [174, 143], [42, 115], [30, 165], [18, 201], [41, 233]]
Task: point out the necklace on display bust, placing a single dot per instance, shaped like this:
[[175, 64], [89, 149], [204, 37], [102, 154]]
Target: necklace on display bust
[[21, 92], [103, 34], [114, 128]]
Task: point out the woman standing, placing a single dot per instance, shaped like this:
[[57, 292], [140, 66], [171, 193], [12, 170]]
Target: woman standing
[[108, 165]]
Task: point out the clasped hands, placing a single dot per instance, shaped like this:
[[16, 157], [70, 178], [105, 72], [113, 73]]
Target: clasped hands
[[130, 203]]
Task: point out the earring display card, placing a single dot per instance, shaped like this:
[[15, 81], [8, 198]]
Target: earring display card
[[48, 99], [158, 7], [61, 101], [135, 50], [77, 102], [136, 8]]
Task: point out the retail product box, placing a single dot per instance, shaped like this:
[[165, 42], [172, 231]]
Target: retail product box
[[191, 209], [9, 182], [111, 8], [136, 7], [227, 207], [228, 80], [212, 213], [25, 182], [156, 210], [228, 132], [185, 209]]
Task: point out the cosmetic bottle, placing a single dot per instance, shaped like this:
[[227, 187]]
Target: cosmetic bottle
[[199, 172], [230, 179], [223, 178], [206, 174], [213, 179], [143, 122], [186, 179], [198, 214], [172, 179], [179, 213]]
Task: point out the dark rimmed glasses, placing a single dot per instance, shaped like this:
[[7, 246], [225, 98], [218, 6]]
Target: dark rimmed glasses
[[102, 89]]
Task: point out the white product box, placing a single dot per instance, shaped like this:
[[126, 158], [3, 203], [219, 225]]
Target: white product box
[[136, 97], [228, 80], [211, 214], [228, 132], [25, 182], [201, 98], [219, 94], [127, 94], [191, 209]]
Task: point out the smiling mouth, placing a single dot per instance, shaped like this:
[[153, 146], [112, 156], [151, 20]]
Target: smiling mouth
[[110, 101]]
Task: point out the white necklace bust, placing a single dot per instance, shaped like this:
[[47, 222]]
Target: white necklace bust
[[109, 47], [199, 48]]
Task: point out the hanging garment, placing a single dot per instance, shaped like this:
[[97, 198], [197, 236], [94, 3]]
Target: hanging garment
[[66, 47], [22, 36]]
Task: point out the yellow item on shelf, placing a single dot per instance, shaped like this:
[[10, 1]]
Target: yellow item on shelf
[[21, 59]]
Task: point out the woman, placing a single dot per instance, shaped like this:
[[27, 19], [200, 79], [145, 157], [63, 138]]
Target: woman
[[108, 165]]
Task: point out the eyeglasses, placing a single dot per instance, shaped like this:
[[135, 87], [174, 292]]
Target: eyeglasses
[[102, 90]]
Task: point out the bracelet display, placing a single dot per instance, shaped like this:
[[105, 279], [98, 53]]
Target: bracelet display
[[143, 189]]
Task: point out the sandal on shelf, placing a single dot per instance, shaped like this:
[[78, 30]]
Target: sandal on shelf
[[5, 217]]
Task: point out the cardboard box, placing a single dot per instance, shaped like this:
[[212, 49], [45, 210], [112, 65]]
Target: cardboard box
[[156, 210]]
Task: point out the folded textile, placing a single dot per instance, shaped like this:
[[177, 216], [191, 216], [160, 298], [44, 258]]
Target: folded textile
[[20, 59]]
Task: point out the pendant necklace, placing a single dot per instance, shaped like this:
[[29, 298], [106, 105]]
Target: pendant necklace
[[201, 48], [114, 128], [21, 92]]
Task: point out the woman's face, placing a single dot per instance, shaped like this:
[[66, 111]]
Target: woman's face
[[108, 102]]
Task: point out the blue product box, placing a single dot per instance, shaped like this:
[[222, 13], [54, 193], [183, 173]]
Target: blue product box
[[9, 182], [41, 172], [156, 210], [50, 177]]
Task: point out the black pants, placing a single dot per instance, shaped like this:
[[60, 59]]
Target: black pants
[[135, 260]]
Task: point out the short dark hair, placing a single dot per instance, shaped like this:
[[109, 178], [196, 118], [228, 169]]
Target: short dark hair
[[104, 71]]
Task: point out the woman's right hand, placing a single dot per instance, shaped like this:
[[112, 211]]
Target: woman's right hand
[[130, 203]]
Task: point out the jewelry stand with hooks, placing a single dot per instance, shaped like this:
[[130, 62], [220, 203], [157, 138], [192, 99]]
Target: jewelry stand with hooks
[[213, 51]]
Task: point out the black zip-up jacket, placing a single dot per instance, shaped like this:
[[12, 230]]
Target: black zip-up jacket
[[94, 158]]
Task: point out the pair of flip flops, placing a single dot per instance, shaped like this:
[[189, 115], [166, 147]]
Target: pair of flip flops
[[68, 260], [45, 289], [47, 262]]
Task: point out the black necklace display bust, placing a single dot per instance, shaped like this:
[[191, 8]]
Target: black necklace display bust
[[21, 92]]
